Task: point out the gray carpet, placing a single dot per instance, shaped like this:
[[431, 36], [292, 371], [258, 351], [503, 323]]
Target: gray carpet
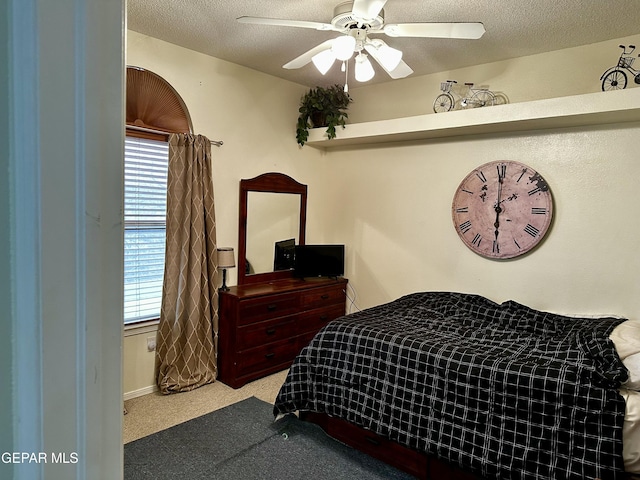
[[242, 442]]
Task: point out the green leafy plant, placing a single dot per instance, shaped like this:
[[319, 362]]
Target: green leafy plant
[[322, 107]]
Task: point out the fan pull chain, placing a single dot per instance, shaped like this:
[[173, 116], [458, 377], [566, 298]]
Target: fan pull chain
[[345, 68]]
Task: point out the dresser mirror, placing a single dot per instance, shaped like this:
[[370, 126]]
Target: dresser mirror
[[273, 211]]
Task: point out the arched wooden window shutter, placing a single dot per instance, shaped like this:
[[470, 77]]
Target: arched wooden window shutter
[[154, 104]]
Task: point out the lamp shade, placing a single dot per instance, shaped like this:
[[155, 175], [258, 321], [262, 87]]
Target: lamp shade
[[324, 60], [226, 258], [364, 70], [343, 47], [389, 57]]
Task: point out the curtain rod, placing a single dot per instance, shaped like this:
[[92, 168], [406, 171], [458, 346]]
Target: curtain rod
[[218, 143]]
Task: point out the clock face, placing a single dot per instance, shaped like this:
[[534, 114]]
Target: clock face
[[502, 209]]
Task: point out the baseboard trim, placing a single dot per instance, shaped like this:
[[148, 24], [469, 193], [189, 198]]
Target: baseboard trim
[[140, 392]]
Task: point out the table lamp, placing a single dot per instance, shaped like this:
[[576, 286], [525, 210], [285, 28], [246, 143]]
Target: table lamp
[[225, 260]]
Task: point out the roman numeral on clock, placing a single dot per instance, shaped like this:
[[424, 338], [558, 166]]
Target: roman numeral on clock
[[481, 177], [538, 211], [477, 239], [462, 210], [531, 230], [465, 226]]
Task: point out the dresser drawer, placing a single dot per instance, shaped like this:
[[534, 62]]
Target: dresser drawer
[[320, 297], [267, 356], [314, 320], [263, 308], [268, 331], [264, 325]]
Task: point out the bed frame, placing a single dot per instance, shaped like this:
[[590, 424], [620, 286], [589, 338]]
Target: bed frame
[[416, 463]]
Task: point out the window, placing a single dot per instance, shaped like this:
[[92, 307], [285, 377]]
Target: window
[[145, 205]]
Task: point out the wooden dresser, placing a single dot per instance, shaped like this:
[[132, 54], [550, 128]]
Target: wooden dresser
[[263, 326]]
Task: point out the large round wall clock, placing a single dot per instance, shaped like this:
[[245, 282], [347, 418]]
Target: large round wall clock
[[502, 209]]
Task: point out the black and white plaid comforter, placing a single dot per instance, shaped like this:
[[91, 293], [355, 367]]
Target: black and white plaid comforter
[[504, 391]]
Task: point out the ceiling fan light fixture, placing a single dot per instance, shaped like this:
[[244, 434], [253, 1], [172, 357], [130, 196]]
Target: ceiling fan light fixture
[[363, 69], [343, 47], [355, 21], [324, 60]]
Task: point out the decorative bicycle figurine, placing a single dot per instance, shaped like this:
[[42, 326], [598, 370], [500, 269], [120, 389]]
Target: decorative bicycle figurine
[[476, 97], [615, 78]]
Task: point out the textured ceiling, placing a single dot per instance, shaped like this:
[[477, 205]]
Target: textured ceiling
[[514, 28]]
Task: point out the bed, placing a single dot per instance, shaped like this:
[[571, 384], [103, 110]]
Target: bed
[[491, 390]]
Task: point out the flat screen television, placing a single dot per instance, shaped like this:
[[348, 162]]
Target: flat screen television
[[318, 261], [283, 254]]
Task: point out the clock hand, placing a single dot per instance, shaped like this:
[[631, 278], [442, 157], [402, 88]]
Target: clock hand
[[500, 181], [497, 207], [497, 222]]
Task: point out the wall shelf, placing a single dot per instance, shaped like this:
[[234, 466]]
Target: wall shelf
[[578, 110]]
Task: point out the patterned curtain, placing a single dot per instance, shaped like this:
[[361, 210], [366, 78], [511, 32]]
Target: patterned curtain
[[185, 352]]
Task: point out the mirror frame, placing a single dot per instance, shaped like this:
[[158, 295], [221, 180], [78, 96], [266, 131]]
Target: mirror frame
[[272, 182]]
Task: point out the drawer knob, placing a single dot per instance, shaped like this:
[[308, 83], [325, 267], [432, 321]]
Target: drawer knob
[[325, 296], [272, 307], [269, 356], [270, 331], [324, 317]]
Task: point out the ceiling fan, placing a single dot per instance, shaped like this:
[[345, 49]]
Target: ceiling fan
[[358, 21]]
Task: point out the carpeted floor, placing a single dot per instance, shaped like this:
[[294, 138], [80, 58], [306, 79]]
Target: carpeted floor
[[242, 441], [154, 412]]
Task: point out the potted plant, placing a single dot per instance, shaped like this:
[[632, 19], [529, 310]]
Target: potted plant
[[322, 107]]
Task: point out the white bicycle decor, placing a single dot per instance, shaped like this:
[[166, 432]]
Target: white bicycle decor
[[475, 97]]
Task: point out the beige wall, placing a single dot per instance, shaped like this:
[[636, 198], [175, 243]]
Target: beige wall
[[391, 205], [392, 208], [394, 201], [549, 75], [254, 115]]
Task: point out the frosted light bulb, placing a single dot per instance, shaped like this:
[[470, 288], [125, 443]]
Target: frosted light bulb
[[343, 47]]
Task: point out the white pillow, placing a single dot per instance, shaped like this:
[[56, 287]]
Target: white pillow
[[632, 362], [626, 338], [631, 431]]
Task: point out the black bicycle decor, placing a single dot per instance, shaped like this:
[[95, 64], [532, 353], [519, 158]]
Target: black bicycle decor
[[615, 78]]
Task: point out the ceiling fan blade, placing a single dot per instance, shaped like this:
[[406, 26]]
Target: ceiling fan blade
[[436, 30], [306, 57], [401, 71], [286, 23], [367, 9]]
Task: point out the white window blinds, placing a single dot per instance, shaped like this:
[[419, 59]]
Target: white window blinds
[[145, 205]]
